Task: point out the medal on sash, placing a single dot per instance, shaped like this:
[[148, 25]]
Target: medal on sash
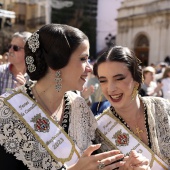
[[51, 136], [120, 137]]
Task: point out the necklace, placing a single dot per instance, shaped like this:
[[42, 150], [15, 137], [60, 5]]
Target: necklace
[[53, 115], [138, 131]]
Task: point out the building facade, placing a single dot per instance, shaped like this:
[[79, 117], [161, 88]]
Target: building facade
[[106, 23], [81, 14], [29, 16], [144, 26]]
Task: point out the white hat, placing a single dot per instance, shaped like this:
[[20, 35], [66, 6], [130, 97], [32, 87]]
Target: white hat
[[149, 69]]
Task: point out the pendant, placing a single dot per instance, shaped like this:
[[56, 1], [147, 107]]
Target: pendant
[[138, 131]]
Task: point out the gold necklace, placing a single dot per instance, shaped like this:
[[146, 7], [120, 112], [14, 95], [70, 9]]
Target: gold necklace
[[138, 131], [53, 115]]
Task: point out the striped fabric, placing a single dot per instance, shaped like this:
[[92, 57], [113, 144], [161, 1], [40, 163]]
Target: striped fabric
[[7, 79]]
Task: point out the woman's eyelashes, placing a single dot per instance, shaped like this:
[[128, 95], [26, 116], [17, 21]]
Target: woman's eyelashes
[[102, 81], [84, 59], [121, 78], [117, 79]]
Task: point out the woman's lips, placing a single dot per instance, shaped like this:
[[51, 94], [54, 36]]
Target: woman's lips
[[116, 98]]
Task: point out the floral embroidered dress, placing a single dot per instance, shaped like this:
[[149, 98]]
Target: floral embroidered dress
[[19, 148]]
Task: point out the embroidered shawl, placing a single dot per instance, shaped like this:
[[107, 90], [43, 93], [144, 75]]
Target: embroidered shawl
[[158, 110], [19, 141]]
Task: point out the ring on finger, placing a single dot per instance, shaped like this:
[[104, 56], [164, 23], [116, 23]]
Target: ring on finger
[[101, 165]]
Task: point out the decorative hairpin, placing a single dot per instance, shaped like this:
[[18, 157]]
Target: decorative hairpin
[[33, 42], [30, 66]]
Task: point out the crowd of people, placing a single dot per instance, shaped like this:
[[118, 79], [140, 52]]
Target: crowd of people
[[60, 112]]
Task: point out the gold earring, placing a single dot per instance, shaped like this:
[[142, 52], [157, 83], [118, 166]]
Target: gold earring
[[135, 91], [142, 78]]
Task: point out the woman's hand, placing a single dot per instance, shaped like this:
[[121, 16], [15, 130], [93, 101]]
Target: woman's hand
[[135, 161], [99, 161]]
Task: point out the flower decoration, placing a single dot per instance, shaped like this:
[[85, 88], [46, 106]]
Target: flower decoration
[[33, 42]]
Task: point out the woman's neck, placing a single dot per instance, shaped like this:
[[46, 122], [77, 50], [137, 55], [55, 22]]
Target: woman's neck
[[47, 95], [131, 112]]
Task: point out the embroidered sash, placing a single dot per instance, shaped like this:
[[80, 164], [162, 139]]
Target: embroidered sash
[[120, 137], [46, 131]]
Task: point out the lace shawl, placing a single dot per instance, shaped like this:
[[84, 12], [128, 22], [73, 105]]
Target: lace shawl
[[82, 122], [19, 141], [159, 126], [158, 111]]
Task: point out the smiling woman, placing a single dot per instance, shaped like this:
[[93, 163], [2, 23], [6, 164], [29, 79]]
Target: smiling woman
[[131, 122], [44, 125]]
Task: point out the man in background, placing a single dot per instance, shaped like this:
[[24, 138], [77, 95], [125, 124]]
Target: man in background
[[13, 73]]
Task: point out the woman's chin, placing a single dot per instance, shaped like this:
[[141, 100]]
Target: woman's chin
[[80, 88]]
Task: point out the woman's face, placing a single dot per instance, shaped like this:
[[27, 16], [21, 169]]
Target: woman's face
[[75, 73], [116, 83]]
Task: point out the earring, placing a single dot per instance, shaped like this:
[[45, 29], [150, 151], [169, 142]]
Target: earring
[[135, 91], [58, 80]]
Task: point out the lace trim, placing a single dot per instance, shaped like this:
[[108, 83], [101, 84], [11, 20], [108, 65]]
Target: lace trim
[[83, 126], [19, 141]]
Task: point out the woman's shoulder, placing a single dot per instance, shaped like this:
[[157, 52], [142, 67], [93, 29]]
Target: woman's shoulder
[[74, 96], [155, 100]]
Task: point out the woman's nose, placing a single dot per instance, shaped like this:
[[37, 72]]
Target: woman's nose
[[111, 87], [89, 67]]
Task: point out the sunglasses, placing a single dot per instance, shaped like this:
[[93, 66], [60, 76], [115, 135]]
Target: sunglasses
[[15, 47]]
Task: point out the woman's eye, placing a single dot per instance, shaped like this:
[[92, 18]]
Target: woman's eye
[[102, 81], [121, 78], [84, 59]]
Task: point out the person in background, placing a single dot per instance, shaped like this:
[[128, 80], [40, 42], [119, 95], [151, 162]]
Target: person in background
[[97, 102], [160, 68], [166, 83], [13, 73], [167, 60], [101, 104], [150, 87], [132, 121]]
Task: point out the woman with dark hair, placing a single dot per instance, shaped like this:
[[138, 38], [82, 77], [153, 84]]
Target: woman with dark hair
[[44, 125], [131, 122]]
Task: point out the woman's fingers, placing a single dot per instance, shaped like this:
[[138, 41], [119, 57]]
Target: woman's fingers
[[106, 160], [90, 150], [136, 161], [138, 158], [113, 159]]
